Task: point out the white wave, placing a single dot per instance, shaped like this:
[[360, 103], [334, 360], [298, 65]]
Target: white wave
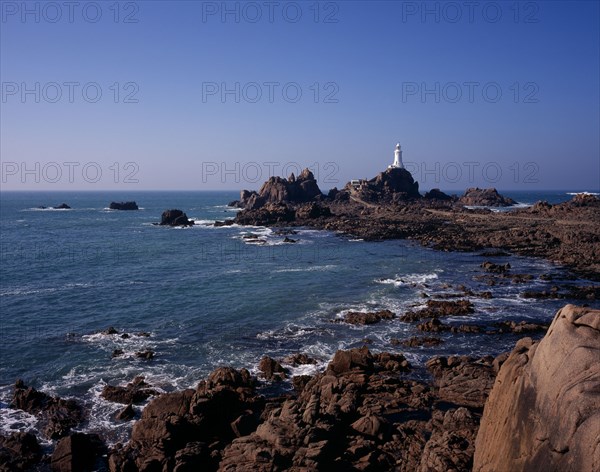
[[199, 222], [411, 279], [12, 421], [47, 209], [309, 269], [583, 193]]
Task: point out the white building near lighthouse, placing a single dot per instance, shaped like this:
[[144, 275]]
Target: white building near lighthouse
[[397, 158]]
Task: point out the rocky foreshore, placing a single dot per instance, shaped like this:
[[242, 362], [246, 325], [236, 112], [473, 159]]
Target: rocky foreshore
[[536, 407], [390, 207]]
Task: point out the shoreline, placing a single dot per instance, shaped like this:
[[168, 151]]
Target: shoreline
[[565, 233], [387, 419]]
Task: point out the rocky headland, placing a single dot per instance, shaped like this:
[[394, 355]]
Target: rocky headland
[[390, 206]]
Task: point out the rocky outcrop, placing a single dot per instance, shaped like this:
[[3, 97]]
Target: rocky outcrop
[[391, 186], [77, 453], [271, 369], [175, 218], [271, 213], [123, 206], [62, 206], [367, 318], [439, 308], [542, 413], [56, 416], [292, 190], [19, 452], [313, 210], [485, 197], [437, 194], [136, 391]]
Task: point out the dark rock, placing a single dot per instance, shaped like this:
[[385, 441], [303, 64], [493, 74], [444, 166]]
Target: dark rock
[[354, 359], [437, 194], [302, 189], [117, 353], [62, 206], [270, 213], [126, 414], [300, 381], [56, 416], [110, 331], [244, 424], [463, 380], [175, 218], [123, 206], [289, 240], [495, 268], [19, 452], [77, 453], [440, 308], [148, 354], [392, 185], [299, 359], [485, 197], [417, 341], [433, 326], [312, 210], [521, 327], [271, 369], [136, 391], [360, 318]]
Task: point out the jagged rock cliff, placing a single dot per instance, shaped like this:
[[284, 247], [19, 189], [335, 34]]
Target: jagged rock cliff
[[299, 189]]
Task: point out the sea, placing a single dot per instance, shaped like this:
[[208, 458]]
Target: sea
[[211, 296]]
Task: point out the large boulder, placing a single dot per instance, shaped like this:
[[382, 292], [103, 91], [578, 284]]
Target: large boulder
[[542, 413], [77, 453], [175, 218], [485, 197]]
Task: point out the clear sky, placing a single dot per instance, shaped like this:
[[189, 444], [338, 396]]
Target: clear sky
[[220, 95]]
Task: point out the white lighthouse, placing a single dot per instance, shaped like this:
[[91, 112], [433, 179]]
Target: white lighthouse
[[397, 158]]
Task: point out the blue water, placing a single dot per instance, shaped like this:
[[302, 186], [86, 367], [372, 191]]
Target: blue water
[[207, 296]]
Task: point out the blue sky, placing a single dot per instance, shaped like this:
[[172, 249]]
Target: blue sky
[[503, 95]]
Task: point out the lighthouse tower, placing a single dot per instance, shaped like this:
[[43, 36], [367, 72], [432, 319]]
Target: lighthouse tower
[[398, 158]]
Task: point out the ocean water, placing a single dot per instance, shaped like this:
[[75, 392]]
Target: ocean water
[[211, 296]]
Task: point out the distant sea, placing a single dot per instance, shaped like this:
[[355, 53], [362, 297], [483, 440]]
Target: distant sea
[[210, 296]]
